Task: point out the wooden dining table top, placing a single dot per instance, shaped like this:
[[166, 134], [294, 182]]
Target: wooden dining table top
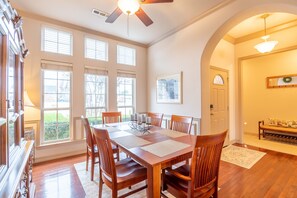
[[153, 137], [153, 162]]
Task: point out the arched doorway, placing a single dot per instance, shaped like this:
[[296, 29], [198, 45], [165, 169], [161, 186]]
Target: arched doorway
[[236, 120]]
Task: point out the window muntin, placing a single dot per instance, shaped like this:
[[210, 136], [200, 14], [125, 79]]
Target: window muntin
[[56, 41], [126, 55], [95, 97], [218, 80], [95, 49], [56, 105], [125, 96]]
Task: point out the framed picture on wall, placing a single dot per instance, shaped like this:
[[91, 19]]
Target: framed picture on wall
[[169, 88]]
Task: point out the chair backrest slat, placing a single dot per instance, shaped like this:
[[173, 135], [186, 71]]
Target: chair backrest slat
[[156, 118], [111, 117], [181, 123]]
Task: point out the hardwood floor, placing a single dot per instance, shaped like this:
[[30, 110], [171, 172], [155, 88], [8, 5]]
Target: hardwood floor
[[275, 175], [58, 179]]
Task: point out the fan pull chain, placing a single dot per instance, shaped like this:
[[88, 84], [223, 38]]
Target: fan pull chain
[[128, 25]]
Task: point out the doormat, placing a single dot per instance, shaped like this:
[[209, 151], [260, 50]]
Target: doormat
[[240, 156]]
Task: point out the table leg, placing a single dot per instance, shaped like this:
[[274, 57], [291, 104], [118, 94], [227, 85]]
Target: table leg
[[154, 181]]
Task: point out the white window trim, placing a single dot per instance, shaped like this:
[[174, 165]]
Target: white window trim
[[135, 55], [106, 49], [43, 27]]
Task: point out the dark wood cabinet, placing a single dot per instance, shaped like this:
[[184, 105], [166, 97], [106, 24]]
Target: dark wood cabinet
[[16, 153]]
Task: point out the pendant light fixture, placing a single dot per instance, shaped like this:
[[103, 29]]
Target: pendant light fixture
[[266, 46]]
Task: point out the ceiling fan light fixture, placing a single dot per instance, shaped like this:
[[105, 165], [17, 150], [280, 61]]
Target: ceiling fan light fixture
[[266, 46], [129, 7]]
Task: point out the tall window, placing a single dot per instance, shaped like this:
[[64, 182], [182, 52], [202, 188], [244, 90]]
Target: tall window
[[11, 98], [95, 49], [56, 105], [56, 41], [126, 55], [95, 96], [126, 95]]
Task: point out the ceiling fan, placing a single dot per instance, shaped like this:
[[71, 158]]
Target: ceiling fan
[[130, 7]]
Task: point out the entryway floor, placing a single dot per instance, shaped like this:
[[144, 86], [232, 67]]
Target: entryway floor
[[252, 139]]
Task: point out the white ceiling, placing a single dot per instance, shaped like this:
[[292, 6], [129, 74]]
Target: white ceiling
[[167, 17]]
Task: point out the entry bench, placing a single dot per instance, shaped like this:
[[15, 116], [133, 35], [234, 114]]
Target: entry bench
[[280, 130]]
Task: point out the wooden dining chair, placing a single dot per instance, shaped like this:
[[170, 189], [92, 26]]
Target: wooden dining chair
[[92, 151], [200, 179], [156, 118], [181, 123], [117, 175], [111, 117]]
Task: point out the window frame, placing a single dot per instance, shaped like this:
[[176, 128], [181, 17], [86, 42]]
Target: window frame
[[42, 109], [105, 96], [43, 28], [96, 41], [125, 62]]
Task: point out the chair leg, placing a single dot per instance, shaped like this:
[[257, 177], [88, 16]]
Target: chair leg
[[87, 161], [163, 186], [100, 185], [114, 193], [215, 194], [92, 167], [118, 155]]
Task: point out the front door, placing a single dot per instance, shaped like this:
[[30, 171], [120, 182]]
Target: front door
[[219, 108]]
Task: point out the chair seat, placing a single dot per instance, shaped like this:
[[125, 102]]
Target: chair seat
[[128, 170], [181, 186], [177, 182]]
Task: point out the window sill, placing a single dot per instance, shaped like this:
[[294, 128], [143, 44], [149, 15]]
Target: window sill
[[49, 145]]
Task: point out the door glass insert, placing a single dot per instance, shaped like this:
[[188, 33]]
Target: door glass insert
[[218, 80]]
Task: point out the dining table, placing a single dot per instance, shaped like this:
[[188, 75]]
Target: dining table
[[155, 148]]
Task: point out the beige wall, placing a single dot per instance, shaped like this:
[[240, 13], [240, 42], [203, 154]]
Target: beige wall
[[261, 103], [32, 34]]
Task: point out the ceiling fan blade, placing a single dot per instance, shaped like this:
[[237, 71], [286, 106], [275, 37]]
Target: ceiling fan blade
[[155, 1], [114, 15], [143, 17]]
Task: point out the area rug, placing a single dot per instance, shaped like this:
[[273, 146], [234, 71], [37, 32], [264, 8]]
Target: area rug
[[240, 156], [91, 187]]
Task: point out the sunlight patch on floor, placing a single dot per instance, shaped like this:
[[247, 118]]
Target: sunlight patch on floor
[[283, 147]]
